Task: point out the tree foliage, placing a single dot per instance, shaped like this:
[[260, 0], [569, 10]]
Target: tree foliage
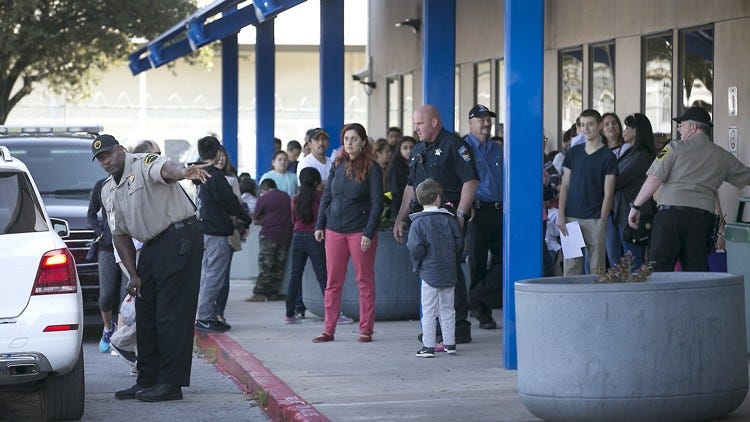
[[66, 42]]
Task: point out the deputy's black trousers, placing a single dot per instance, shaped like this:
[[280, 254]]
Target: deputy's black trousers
[[681, 235], [485, 235], [170, 269]]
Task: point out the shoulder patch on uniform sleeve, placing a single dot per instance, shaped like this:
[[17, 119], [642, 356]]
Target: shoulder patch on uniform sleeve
[[662, 153], [150, 158], [464, 153]]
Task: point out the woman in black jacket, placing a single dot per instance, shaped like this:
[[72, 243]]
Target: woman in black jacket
[[348, 220], [632, 167]]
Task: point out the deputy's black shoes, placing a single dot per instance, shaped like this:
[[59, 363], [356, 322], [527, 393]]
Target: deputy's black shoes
[[128, 393], [160, 392], [488, 325]]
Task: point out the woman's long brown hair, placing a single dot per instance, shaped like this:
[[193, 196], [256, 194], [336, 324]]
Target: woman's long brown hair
[[360, 167]]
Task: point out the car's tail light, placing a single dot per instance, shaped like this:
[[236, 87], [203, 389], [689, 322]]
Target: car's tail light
[[56, 274], [60, 327]]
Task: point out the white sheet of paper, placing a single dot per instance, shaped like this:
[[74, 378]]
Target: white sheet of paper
[[573, 242]]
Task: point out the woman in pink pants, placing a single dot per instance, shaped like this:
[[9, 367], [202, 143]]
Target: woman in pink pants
[[348, 220]]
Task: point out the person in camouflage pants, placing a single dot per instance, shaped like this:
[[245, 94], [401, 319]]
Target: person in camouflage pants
[[271, 263], [273, 212]]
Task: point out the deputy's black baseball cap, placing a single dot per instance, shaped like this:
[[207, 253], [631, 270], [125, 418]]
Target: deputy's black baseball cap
[[480, 110], [696, 114], [103, 143]]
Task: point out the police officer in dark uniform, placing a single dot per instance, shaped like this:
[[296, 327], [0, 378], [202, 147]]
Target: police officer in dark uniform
[[689, 172], [144, 202], [486, 226], [446, 158]]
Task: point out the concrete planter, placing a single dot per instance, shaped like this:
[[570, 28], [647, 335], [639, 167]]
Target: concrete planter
[[672, 348], [397, 287]]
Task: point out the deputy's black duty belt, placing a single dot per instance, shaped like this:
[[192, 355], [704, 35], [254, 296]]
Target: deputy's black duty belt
[[181, 224], [688, 209], [483, 204]]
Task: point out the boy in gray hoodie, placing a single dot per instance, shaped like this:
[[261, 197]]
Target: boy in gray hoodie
[[435, 241]]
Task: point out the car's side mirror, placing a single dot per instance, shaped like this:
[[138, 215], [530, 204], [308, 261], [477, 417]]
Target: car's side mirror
[[61, 227]]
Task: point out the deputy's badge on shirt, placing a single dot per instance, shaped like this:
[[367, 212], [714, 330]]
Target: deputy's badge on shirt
[[662, 153], [464, 153]]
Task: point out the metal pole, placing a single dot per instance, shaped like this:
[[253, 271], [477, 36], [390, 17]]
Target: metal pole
[[524, 65]]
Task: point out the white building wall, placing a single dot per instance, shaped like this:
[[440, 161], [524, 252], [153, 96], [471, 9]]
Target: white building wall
[[184, 102], [571, 23]]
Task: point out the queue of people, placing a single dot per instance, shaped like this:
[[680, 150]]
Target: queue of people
[[445, 191], [659, 206]]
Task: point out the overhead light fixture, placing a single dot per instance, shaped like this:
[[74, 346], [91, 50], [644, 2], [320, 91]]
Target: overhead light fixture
[[414, 23]]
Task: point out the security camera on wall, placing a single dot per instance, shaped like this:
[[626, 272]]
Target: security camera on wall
[[361, 76], [364, 77]]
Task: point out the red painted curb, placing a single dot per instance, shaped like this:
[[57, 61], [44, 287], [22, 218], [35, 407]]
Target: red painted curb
[[283, 404]]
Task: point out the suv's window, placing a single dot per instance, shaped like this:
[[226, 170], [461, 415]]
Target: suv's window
[[19, 210], [60, 170]]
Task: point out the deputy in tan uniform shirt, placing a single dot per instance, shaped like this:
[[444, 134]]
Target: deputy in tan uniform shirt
[[144, 202], [689, 172]]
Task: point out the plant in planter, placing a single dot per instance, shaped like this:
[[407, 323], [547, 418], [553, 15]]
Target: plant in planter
[[598, 348], [623, 272]]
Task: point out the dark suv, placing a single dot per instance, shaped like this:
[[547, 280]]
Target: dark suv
[[59, 160]]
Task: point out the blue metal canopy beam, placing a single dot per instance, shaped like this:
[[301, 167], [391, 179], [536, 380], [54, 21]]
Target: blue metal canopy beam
[[193, 32], [231, 23]]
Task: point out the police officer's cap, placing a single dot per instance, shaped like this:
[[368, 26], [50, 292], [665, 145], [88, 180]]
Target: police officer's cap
[[103, 143], [696, 114], [480, 111]]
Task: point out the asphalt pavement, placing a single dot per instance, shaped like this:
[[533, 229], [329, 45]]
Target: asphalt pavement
[[212, 396]]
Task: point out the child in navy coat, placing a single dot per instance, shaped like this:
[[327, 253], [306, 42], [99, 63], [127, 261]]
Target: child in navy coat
[[435, 241]]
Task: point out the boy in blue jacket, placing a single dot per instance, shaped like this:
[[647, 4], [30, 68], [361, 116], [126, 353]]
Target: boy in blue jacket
[[435, 241]]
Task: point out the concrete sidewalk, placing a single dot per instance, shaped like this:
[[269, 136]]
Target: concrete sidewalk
[[345, 380]]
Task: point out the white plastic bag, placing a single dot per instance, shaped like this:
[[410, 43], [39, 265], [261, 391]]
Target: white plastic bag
[[127, 310]]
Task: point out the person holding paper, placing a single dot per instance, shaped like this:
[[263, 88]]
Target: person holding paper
[[586, 193]]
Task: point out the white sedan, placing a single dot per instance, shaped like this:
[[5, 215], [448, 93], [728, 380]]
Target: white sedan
[[41, 311]]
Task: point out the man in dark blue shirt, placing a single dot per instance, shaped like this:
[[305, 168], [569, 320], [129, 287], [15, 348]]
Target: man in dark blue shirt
[[586, 193], [446, 158], [486, 226]]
